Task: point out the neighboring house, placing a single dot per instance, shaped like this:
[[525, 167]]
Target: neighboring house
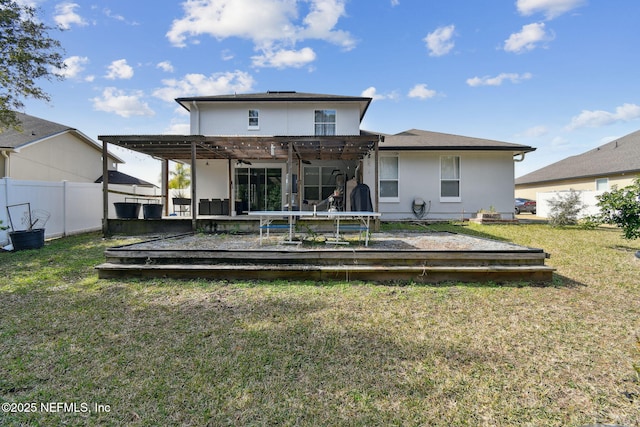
[[262, 151], [616, 163], [46, 151]]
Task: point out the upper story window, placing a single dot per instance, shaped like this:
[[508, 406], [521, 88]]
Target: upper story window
[[450, 179], [254, 119], [325, 122], [602, 184]]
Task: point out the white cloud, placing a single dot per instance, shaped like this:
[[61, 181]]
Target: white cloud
[[74, 65], [165, 66], [395, 2], [178, 128], [439, 42], [119, 102], [117, 17], [200, 85], [535, 132], [285, 58], [226, 55], [372, 92], [597, 118], [550, 8], [119, 70], [497, 80], [274, 26], [527, 38], [421, 91], [559, 143], [66, 15]]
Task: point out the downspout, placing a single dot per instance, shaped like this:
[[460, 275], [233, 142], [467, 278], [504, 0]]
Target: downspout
[[522, 155], [6, 163], [194, 104]]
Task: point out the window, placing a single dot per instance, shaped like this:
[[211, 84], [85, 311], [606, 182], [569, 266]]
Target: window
[[389, 178], [319, 182], [602, 184], [325, 122], [254, 122], [450, 179]]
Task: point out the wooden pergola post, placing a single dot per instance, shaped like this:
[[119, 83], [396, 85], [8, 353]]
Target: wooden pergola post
[[105, 190], [165, 186], [194, 202]]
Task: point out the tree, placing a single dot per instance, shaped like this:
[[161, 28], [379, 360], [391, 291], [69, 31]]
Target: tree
[[621, 207], [180, 178], [27, 54]]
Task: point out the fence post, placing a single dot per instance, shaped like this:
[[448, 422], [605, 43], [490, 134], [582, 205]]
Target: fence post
[[64, 207]]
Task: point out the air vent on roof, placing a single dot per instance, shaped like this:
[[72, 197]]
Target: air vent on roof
[[281, 91]]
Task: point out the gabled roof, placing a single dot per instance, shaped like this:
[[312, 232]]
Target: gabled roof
[[416, 139], [117, 177], [35, 129], [616, 157], [277, 96]]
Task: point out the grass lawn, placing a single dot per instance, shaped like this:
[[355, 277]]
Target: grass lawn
[[165, 352]]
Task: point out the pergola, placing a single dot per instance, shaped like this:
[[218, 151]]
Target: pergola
[[189, 148]]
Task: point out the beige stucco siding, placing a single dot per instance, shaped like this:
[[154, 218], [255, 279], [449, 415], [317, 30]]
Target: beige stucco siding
[[529, 191], [63, 157]]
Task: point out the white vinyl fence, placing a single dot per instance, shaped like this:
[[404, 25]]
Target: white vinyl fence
[[588, 199], [72, 207]]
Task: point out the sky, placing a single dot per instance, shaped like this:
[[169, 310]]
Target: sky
[[558, 75]]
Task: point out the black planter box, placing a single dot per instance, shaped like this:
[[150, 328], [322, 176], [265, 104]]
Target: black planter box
[[27, 239], [152, 211], [127, 210]]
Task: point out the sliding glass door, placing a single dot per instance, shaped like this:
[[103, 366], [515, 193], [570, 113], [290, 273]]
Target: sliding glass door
[[259, 188]]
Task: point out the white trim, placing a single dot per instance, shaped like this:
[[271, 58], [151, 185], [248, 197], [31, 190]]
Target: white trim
[[606, 180], [249, 126], [445, 199], [396, 199]]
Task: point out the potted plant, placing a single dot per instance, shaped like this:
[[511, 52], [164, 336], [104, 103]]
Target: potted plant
[[491, 214], [152, 210], [127, 210], [32, 237]]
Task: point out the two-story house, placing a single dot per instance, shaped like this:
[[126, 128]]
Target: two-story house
[[290, 150], [42, 150]]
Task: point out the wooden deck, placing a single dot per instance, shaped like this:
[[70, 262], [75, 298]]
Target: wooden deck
[[493, 262]]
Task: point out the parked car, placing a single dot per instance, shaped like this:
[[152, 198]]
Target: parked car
[[525, 205]]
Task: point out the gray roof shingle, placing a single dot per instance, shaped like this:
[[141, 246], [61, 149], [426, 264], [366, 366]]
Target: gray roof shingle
[[416, 139], [33, 129], [616, 157]]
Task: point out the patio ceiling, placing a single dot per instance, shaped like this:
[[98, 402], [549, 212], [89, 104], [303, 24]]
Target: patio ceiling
[[307, 148]]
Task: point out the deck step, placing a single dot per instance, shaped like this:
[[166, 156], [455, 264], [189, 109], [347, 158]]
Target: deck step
[[375, 273]]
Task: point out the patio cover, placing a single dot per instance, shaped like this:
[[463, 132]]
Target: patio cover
[[179, 147]]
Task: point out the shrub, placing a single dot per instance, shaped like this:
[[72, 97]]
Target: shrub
[[565, 209], [621, 207]]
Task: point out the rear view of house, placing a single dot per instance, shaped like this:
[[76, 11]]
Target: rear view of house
[[304, 151]]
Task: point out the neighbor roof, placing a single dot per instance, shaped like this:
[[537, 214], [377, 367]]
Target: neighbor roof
[[277, 96], [117, 177], [34, 130], [616, 157], [416, 139]]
